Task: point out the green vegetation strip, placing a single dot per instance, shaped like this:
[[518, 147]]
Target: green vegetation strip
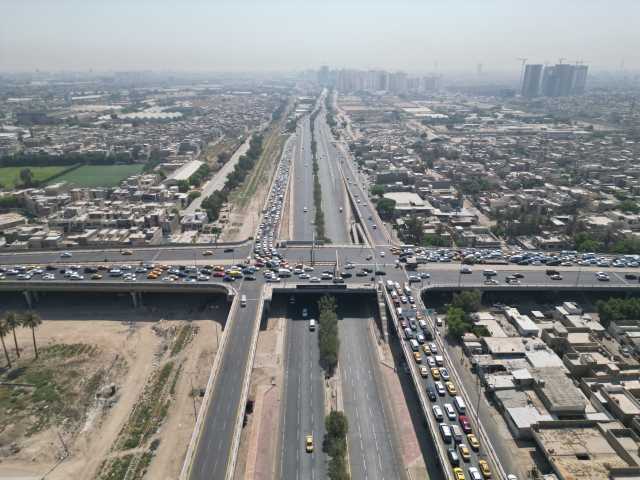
[[335, 445], [10, 177], [149, 412], [328, 340], [317, 188], [182, 339]]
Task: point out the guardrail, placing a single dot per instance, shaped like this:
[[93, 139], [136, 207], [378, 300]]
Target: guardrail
[[433, 427]]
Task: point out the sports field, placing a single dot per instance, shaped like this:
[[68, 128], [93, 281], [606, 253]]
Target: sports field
[[10, 176], [100, 175]]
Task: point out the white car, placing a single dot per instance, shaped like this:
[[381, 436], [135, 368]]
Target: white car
[[66, 255], [314, 280], [382, 254], [305, 312], [437, 412], [305, 209]]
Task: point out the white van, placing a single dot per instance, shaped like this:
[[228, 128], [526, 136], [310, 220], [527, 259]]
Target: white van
[[312, 324], [445, 431], [284, 272], [460, 406], [457, 433], [415, 346]]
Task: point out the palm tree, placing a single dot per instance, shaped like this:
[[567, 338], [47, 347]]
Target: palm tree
[[4, 330], [13, 321], [32, 320]]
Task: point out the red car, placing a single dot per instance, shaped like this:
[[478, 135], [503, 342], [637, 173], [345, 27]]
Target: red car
[[465, 424], [218, 274]]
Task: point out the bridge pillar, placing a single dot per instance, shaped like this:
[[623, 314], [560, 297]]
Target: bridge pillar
[[135, 299], [28, 298]]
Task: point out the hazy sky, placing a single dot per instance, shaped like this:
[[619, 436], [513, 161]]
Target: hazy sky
[[283, 35]]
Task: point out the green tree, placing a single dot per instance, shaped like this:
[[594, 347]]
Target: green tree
[[4, 331], [183, 186], [32, 320], [13, 321], [457, 323], [378, 190], [193, 195], [385, 208], [468, 301], [629, 206], [26, 177]]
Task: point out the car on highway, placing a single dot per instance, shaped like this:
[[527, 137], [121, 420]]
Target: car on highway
[[126, 252], [473, 442], [458, 473], [556, 276], [314, 280], [417, 356], [424, 371], [444, 373], [435, 373], [66, 255], [630, 276], [451, 413], [437, 412], [453, 457], [431, 393], [440, 389], [228, 250], [451, 388], [465, 423], [484, 468], [465, 454], [308, 443], [207, 253], [474, 473]]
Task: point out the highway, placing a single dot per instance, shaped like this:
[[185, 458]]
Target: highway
[[333, 193], [370, 450], [303, 406], [214, 446], [302, 184]]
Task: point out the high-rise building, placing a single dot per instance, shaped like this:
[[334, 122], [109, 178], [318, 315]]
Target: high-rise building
[[323, 75], [579, 79], [531, 81], [563, 79]]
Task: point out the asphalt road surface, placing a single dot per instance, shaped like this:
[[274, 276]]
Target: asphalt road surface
[[302, 184], [215, 442], [303, 409], [370, 450]]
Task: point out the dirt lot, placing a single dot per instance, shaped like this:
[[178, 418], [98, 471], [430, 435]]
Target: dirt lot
[[96, 342]]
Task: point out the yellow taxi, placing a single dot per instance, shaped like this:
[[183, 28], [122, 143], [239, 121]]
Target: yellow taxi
[[425, 347], [458, 473], [451, 388], [308, 443], [484, 468], [464, 452], [473, 442], [417, 357], [435, 373]]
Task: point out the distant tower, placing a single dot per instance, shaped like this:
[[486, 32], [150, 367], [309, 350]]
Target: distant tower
[[579, 79], [531, 81], [479, 69]]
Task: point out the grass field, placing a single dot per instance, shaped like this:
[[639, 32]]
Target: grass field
[[10, 176], [100, 175]]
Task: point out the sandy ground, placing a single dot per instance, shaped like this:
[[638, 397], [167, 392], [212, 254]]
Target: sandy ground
[[120, 332], [259, 438]]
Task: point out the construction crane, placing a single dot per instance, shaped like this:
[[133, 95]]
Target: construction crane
[[560, 60], [524, 61]]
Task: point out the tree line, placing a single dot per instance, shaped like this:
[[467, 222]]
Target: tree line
[[328, 340], [334, 445], [459, 312], [317, 188], [214, 202], [614, 309], [43, 159], [13, 320]]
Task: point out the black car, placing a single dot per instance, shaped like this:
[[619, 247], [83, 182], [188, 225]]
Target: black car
[[228, 250], [367, 270], [380, 272], [431, 393], [346, 274], [50, 268], [249, 277], [517, 275], [630, 276]]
